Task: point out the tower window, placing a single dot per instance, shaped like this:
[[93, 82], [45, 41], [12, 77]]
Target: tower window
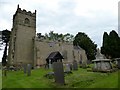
[[27, 21]]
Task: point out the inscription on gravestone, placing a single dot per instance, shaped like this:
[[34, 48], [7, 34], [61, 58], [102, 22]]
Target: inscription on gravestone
[[75, 66], [58, 72]]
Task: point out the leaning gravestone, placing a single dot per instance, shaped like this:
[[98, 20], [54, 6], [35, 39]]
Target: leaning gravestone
[[28, 69], [58, 73], [75, 65]]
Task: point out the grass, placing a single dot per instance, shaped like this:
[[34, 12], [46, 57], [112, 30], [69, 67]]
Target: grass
[[0, 79], [79, 79]]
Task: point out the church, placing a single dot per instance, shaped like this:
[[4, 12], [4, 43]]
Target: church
[[26, 48]]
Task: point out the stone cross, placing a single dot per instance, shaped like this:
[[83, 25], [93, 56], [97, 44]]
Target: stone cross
[[58, 73]]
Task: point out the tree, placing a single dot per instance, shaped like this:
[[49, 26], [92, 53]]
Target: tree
[[0, 40], [105, 46], [5, 39], [68, 37], [111, 45], [114, 45], [60, 37], [82, 40]]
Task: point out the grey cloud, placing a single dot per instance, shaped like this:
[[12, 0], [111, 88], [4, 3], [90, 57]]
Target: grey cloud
[[64, 19]]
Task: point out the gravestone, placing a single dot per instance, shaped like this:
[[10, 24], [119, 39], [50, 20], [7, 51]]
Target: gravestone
[[5, 71], [25, 68], [75, 65], [84, 65], [119, 63], [50, 66], [71, 66], [67, 67], [58, 73], [117, 60], [28, 69]]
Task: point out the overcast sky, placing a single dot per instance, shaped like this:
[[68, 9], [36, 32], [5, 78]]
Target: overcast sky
[[93, 17]]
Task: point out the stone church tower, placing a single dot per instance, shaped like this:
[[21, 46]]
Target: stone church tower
[[21, 48]]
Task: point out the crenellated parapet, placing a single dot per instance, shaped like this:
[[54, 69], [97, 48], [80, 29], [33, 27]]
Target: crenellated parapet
[[19, 10]]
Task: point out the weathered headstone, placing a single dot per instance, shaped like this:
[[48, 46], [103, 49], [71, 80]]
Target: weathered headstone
[[75, 65], [67, 68], [50, 66], [25, 68], [71, 66], [58, 73], [84, 65], [119, 63], [28, 69]]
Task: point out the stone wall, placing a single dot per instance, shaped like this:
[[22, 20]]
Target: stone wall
[[44, 48]]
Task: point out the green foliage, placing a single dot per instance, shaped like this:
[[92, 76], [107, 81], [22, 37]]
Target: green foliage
[[82, 40], [5, 39], [111, 45], [5, 36], [60, 37]]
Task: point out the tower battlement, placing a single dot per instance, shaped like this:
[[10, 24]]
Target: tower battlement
[[19, 10]]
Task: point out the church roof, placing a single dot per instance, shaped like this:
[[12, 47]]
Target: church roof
[[77, 48], [55, 55]]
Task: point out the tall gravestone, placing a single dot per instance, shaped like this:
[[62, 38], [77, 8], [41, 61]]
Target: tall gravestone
[[58, 73], [28, 69], [75, 65]]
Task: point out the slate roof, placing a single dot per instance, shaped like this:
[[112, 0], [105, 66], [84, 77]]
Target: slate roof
[[77, 48], [54, 56]]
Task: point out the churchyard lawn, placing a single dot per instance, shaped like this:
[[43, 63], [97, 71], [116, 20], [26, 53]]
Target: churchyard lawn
[[80, 78]]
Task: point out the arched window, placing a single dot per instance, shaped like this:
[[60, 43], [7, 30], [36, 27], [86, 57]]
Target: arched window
[[27, 21]]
